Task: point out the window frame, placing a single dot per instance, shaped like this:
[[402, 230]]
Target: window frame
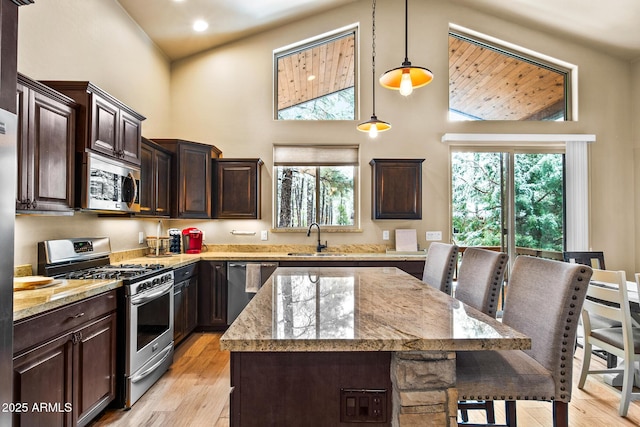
[[569, 70], [319, 148], [316, 41]]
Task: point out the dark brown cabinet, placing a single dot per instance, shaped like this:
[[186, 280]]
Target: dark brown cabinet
[[155, 179], [236, 188], [212, 295], [66, 359], [105, 125], [191, 177], [46, 146], [396, 188], [185, 294]]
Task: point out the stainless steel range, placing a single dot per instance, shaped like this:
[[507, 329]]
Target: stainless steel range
[[145, 304]]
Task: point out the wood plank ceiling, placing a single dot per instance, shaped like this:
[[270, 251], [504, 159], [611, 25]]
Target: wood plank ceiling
[[318, 71], [484, 84], [488, 85]]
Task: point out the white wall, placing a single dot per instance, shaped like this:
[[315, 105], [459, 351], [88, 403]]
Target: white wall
[[224, 97]]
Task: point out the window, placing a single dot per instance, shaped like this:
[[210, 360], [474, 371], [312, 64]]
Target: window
[[315, 79], [315, 183], [489, 81]]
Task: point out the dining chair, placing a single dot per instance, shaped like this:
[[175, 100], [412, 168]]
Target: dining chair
[[594, 259], [544, 302], [607, 297], [480, 278], [440, 265]]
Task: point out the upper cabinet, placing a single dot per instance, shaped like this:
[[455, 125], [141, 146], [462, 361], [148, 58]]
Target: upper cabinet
[[155, 179], [397, 188], [46, 144], [105, 125], [236, 188], [190, 177]]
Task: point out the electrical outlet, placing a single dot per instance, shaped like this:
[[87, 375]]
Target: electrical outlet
[[264, 235], [385, 234], [141, 237], [433, 235]]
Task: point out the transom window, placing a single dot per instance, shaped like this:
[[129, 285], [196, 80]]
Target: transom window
[[315, 79], [488, 81], [315, 184]]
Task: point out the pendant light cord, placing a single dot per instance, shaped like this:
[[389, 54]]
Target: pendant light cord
[[373, 54], [406, 30]]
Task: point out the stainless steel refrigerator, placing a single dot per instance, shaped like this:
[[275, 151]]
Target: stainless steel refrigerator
[[8, 174]]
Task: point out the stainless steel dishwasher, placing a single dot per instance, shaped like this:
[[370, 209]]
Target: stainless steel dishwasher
[[237, 297]]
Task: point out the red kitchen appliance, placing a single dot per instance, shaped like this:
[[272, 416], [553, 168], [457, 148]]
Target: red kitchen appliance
[[192, 240]]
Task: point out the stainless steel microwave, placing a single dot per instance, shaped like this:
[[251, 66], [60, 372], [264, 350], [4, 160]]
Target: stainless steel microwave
[[109, 185]]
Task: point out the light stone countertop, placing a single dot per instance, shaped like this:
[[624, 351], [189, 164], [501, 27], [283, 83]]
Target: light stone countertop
[[361, 309], [31, 302]]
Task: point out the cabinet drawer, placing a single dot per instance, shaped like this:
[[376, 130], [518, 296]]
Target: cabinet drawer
[[183, 273], [34, 330]]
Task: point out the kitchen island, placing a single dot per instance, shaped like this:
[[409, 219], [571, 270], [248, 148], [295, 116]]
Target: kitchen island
[[335, 346]]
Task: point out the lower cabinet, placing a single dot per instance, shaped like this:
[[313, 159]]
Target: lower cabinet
[[212, 296], [185, 297], [64, 366]]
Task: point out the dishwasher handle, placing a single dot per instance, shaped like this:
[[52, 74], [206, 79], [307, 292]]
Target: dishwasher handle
[[266, 265]]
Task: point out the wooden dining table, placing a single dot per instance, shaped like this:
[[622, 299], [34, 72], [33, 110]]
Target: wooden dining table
[[326, 345]]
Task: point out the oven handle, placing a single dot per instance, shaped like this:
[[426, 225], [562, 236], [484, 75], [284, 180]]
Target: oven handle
[[141, 299], [149, 371]]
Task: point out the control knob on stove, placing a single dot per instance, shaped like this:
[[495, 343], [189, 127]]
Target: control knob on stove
[[166, 278]]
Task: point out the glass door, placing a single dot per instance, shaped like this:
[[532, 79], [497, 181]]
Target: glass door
[[508, 200]]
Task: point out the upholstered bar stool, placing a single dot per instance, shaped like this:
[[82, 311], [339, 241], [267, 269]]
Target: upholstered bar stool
[[479, 281], [544, 302], [440, 265]]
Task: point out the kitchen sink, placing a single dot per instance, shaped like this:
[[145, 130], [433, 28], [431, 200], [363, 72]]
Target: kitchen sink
[[315, 254]]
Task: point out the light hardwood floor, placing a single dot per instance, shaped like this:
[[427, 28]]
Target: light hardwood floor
[[195, 392]]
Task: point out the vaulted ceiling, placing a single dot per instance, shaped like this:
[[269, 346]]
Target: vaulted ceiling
[[611, 26]]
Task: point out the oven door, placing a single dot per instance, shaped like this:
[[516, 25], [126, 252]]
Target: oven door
[[149, 326]]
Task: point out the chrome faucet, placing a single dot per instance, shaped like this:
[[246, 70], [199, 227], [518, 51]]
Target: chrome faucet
[[320, 246]]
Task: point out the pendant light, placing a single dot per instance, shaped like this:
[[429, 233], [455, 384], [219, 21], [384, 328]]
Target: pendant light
[[406, 77], [373, 125]]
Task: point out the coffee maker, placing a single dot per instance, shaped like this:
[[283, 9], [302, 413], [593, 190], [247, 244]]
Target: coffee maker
[[192, 240]]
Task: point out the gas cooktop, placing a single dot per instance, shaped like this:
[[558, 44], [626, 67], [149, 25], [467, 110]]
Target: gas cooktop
[[128, 272]]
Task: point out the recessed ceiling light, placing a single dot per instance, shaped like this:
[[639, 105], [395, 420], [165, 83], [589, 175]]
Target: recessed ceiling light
[[200, 25], [311, 77]]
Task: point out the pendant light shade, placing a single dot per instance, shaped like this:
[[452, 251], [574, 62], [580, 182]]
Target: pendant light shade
[[406, 77], [373, 125]]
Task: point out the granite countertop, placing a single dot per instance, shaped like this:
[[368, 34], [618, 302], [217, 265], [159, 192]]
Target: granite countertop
[[30, 302], [27, 303], [361, 309]]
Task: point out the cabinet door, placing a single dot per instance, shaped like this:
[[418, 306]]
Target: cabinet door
[[52, 137], [130, 130], [44, 376], [25, 152], [104, 127], [178, 312], [194, 185], [237, 189], [212, 295], [163, 183], [191, 305], [95, 367], [397, 188], [147, 180]]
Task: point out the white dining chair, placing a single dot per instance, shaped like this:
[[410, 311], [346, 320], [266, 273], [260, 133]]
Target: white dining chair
[[607, 297]]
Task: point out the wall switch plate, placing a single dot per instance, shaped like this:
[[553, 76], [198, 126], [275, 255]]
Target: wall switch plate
[[433, 235], [385, 235], [141, 237], [264, 235]]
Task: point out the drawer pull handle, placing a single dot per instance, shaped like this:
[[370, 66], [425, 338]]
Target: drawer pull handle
[[76, 316]]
